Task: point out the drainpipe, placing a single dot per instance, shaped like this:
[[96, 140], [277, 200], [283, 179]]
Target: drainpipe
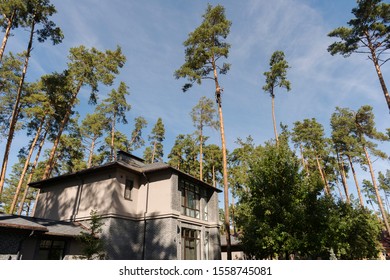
[[145, 212]]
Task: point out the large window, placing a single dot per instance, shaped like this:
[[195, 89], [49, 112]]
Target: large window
[[51, 249], [190, 199], [194, 200], [190, 244]]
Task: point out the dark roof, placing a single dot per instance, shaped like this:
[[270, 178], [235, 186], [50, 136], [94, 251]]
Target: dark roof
[[126, 161], [45, 226]]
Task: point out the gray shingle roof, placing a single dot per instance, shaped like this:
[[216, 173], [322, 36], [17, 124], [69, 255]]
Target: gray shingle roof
[[47, 227]]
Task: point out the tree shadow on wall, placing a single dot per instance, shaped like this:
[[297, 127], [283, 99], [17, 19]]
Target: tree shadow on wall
[[135, 240]]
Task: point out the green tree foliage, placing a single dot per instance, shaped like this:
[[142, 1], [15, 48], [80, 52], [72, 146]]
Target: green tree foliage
[[184, 154], [344, 142], [91, 130], [93, 245], [155, 151], [115, 107], [310, 136], [86, 67], [10, 72], [205, 48], [213, 169], [276, 77], [38, 13], [364, 130], [281, 215], [239, 163], [12, 15], [368, 33], [203, 115], [137, 140]]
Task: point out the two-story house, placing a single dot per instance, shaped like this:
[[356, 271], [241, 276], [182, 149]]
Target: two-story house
[[150, 211]]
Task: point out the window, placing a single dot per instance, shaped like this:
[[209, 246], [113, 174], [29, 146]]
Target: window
[[51, 249], [190, 244], [192, 197], [128, 187]]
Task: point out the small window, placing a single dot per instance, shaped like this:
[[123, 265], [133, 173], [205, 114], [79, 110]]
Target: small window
[[128, 187]]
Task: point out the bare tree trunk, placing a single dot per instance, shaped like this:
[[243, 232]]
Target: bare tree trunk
[[378, 197], [16, 110], [20, 209], [374, 59], [303, 159], [356, 181], [154, 150], [201, 155], [224, 163], [113, 153], [274, 119], [343, 177], [91, 152], [25, 168], [7, 33], [326, 186]]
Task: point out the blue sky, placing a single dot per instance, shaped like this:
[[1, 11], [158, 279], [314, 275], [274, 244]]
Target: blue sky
[[151, 34]]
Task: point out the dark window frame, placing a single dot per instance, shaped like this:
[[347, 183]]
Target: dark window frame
[[129, 185], [52, 249], [190, 242]]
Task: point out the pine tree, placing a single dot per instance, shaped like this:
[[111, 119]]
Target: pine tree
[[365, 128], [13, 14], [115, 107], [91, 130], [276, 77], [203, 115], [86, 67], [93, 244], [155, 152], [136, 140], [205, 47], [38, 13], [309, 134], [368, 33]]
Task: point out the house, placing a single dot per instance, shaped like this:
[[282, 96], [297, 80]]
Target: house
[[150, 211]]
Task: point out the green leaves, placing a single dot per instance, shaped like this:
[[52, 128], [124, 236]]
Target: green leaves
[[204, 47], [276, 77]]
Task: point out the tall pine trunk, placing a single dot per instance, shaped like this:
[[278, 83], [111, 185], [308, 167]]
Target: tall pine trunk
[[7, 33], [356, 181], [201, 154], [274, 119], [91, 152], [343, 177], [34, 165], [25, 168], [224, 163], [378, 197], [50, 163], [375, 60], [113, 153], [326, 186], [16, 110]]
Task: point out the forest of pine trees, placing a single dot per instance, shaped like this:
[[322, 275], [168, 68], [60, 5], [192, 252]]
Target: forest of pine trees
[[293, 196]]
